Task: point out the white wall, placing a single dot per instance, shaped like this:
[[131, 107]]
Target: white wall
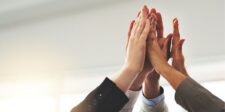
[[57, 51]]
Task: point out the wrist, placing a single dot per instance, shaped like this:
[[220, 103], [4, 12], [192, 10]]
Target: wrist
[[153, 76], [173, 76], [131, 69], [124, 78], [164, 69], [151, 89]]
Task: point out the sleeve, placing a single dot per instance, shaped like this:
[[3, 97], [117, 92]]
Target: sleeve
[[153, 105], [195, 98], [105, 98], [132, 95]]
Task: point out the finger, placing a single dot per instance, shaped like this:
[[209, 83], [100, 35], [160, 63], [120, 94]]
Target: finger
[[146, 30], [135, 27], [161, 42], [164, 47], [130, 28], [181, 42], [137, 22], [144, 13], [138, 13], [169, 37], [176, 34], [152, 20], [159, 26], [153, 11], [129, 32]]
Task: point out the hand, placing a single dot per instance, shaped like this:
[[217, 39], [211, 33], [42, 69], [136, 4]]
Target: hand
[[147, 65], [148, 68], [151, 87], [159, 62], [156, 55], [136, 85], [166, 42], [136, 51], [136, 47], [177, 55]]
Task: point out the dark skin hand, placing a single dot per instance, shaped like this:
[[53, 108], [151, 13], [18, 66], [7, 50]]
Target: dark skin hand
[[177, 54], [151, 83], [150, 77], [159, 61]]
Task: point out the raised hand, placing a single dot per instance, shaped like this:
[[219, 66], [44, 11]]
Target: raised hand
[[163, 42], [155, 54], [137, 42], [159, 61], [151, 87], [177, 54], [136, 51]]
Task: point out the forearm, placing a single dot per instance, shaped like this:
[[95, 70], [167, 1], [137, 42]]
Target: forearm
[[153, 99], [173, 76], [151, 87], [124, 78], [151, 91], [138, 81]]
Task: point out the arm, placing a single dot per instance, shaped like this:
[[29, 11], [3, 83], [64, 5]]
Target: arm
[[136, 86], [189, 94], [199, 99], [151, 88], [109, 96], [153, 95], [159, 61]]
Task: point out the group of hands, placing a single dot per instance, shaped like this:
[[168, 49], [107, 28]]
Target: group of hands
[[148, 51]]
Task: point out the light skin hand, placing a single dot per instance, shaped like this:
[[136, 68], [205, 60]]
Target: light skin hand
[[136, 51], [137, 84], [148, 70]]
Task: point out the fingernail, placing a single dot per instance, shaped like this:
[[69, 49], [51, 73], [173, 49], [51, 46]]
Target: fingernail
[[153, 10], [175, 19], [175, 23]]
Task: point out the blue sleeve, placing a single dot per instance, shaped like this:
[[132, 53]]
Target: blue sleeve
[[154, 101]]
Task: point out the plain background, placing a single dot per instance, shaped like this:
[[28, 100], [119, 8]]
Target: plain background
[[53, 52]]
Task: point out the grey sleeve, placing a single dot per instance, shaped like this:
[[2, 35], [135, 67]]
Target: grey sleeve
[[195, 98], [133, 96]]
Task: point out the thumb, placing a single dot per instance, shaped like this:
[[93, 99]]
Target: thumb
[[180, 45], [166, 47]]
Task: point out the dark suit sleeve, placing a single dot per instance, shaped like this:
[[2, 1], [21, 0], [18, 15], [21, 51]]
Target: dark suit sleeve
[[105, 98], [195, 98]]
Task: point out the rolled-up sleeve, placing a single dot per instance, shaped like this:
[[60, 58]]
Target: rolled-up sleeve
[[153, 105], [195, 98]]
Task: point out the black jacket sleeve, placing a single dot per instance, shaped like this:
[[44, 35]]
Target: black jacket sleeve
[[195, 98], [105, 98]]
